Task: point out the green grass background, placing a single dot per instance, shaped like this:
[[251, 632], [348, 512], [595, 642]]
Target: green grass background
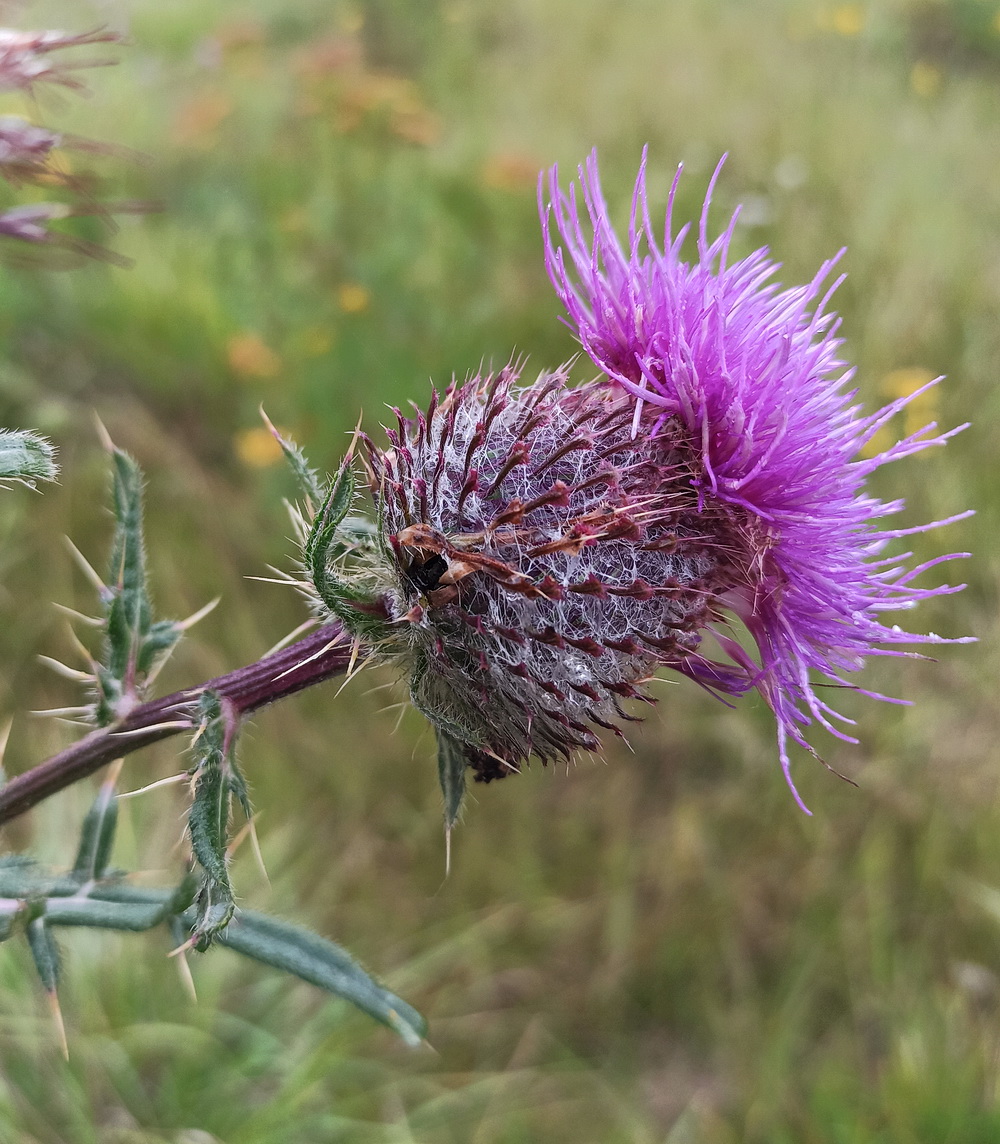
[[657, 949]]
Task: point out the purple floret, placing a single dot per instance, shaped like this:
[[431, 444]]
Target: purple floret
[[752, 372]]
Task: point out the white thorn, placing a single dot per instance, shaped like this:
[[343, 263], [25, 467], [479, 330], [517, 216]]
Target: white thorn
[[286, 640], [255, 843], [103, 435], [176, 725], [170, 781], [199, 615], [90, 621], [85, 565], [66, 672], [57, 1019], [4, 736], [186, 976]]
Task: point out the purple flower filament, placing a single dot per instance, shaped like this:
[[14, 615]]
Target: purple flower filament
[[751, 371]]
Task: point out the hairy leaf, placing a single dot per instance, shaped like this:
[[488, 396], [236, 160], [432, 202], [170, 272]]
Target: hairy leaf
[[97, 836], [452, 765], [314, 959], [44, 953], [308, 478], [26, 457]]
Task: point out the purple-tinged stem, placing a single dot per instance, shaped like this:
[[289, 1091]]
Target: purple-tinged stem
[[321, 655]]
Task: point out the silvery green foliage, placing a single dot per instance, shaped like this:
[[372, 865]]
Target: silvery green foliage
[[201, 909], [26, 457], [135, 646]]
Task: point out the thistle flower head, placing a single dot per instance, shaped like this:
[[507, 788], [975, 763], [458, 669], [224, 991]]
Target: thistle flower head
[[747, 374], [543, 562], [541, 550]]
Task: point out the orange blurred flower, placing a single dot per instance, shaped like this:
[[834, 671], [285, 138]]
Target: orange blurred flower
[[197, 120], [510, 172], [249, 356]]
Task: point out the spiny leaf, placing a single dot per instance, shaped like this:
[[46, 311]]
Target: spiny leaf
[[158, 641], [128, 615], [323, 538], [308, 478], [452, 765], [216, 780], [215, 908], [44, 953], [97, 836], [26, 457], [316, 960], [43, 901], [208, 820], [134, 644]]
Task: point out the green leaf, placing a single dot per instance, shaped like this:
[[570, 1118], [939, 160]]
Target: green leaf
[[134, 644], [308, 478], [323, 539], [157, 643], [97, 836], [134, 917], [32, 897], [320, 962], [208, 821], [128, 614], [44, 953], [26, 457], [452, 765], [215, 908], [216, 780]]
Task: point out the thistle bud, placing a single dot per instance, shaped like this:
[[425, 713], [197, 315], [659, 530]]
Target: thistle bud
[[540, 563]]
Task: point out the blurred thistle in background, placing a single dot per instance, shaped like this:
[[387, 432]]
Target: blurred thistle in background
[[29, 153]]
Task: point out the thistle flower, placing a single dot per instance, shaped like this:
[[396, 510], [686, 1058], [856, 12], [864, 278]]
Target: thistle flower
[[541, 551], [747, 375]]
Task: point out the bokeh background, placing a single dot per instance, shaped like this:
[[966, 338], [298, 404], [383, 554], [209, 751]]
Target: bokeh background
[[657, 948]]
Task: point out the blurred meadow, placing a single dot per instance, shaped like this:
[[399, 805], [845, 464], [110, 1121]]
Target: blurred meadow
[[655, 949]]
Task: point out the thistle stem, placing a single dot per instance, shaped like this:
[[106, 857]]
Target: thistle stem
[[322, 654]]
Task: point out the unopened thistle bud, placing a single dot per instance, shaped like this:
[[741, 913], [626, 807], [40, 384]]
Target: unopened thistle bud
[[542, 550]]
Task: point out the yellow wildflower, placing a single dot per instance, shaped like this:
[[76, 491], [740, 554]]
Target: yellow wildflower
[[353, 298], [925, 79], [256, 447]]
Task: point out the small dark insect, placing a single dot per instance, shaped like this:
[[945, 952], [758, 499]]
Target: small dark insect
[[425, 576]]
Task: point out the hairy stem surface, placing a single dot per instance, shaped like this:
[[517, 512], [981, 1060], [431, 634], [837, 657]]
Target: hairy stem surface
[[321, 655]]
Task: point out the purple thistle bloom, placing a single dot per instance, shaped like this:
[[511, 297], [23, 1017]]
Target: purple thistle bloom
[[747, 374]]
